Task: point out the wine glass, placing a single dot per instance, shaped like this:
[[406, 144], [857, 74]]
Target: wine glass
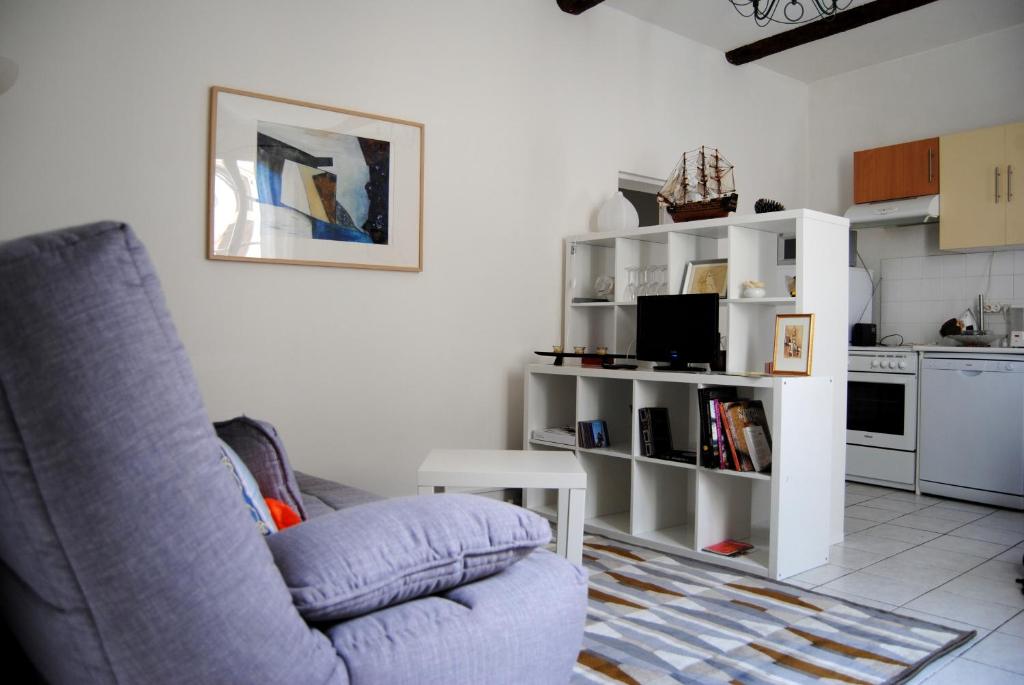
[[631, 284], [645, 283]]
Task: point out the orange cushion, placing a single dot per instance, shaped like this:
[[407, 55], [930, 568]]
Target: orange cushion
[[284, 516]]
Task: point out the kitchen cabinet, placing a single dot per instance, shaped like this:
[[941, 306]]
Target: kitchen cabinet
[[981, 197], [896, 171]]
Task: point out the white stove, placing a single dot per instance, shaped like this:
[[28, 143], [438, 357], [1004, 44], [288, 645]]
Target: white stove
[[881, 416]]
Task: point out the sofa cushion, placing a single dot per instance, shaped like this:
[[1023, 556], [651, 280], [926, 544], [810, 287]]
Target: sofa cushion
[[321, 496], [249, 490], [124, 554], [261, 448], [374, 555]]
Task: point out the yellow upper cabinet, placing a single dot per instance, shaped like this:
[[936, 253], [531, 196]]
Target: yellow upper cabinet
[[981, 199], [1015, 184]]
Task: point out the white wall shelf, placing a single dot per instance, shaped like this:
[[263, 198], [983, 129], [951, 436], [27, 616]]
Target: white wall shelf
[[682, 508], [750, 244]]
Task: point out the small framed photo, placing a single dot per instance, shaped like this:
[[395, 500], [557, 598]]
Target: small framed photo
[[794, 344], [706, 276]]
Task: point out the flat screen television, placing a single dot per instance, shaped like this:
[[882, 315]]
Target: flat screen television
[[680, 330]]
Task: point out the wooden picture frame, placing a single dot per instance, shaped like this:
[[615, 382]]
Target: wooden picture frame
[[793, 350], [706, 276], [293, 182]]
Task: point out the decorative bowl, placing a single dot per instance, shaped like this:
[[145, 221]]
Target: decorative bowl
[[974, 339]]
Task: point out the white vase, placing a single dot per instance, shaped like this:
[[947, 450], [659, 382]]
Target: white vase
[[617, 214]]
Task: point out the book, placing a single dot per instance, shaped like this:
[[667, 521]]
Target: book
[[729, 548], [562, 435], [759, 448], [710, 448], [730, 459], [735, 419], [655, 431], [592, 434], [743, 414]]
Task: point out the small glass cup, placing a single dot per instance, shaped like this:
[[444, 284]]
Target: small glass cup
[[556, 348], [579, 349]]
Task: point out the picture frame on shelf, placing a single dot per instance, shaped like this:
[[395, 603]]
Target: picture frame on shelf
[[793, 350], [706, 276], [293, 182]]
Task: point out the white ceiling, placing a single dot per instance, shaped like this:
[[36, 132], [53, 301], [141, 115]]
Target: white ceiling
[[717, 24]]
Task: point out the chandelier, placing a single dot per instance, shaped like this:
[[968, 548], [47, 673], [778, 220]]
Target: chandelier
[[765, 12]]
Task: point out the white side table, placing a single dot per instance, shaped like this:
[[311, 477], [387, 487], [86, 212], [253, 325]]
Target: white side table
[[516, 469]]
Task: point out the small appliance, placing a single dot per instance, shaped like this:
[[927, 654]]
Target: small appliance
[[1016, 327], [864, 335]]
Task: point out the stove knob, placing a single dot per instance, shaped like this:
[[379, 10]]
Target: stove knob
[[1009, 366], [903, 365], [892, 364], [874, 363]]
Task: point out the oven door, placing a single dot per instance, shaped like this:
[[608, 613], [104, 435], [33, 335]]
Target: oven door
[[881, 410]]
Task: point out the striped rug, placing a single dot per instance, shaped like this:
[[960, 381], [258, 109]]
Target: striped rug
[[655, 619]]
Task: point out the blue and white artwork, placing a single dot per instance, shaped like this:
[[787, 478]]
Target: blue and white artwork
[[321, 184]]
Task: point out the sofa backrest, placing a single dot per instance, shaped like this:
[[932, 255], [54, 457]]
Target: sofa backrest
[[126, 553]]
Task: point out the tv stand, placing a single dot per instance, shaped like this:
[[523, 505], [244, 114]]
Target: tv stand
[[678, 507]]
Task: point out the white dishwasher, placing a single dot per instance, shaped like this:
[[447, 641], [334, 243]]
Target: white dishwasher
[[972, 428]]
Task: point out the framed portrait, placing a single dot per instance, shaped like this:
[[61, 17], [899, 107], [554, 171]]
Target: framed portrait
[[706, 276], [794, 344], [293, 182]]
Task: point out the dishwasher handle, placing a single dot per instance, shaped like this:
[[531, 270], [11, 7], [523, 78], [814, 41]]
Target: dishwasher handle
[[973, 366]]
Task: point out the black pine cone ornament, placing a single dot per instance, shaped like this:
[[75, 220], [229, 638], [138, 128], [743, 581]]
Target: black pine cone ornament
[[765, 205]]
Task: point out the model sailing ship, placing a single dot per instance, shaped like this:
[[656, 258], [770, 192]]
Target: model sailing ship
[[700, 187]]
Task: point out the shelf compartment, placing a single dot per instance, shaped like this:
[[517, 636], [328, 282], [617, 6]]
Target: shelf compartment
[[551, 401], [608, 492], [591, 327], [681, 401], [651, 250], [610, 399], [667, 462], [737, 508], [585, 263], [664, 499]]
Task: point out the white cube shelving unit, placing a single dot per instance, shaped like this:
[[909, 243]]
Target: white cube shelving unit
[[682, 508], [750, 244]]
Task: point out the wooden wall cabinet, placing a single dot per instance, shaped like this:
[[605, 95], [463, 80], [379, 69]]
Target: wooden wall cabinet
[[982, 204], [896, 171]]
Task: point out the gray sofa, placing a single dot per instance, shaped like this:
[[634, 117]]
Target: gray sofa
[[126, 556]]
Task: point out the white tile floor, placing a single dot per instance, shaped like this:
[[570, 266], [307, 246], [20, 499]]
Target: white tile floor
[[939, 560]]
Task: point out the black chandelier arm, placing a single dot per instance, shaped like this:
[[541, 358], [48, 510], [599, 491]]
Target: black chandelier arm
[[766, 12]]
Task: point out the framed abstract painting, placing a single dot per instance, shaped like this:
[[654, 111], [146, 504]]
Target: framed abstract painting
[[292, 182]]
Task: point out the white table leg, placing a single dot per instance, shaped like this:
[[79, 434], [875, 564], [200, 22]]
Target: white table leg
[[430, 489], [571, 504], [562, 523]]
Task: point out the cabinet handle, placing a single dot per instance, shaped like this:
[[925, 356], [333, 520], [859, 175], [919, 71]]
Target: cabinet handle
[[1009, 182], [931, 156], [997, 185]]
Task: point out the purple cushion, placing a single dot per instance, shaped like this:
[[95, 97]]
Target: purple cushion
[[262, 450], [370, 556]]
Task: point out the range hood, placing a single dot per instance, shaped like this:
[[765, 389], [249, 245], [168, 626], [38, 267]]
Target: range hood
[[907, 212]]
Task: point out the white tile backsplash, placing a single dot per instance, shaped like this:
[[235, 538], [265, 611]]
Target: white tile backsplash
[[918, 294]]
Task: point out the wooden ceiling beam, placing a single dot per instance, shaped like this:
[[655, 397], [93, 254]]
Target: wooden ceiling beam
[[822, 28], [577, 6]]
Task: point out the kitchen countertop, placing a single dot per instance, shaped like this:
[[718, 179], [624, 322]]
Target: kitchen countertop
[[943, 349], [963, 349]]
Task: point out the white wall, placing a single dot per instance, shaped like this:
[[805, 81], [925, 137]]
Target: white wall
[[970, 84], [529, 112]]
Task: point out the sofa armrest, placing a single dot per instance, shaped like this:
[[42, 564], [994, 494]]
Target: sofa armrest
[[370, 556]]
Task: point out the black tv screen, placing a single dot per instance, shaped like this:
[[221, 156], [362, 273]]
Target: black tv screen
[[678, 329]]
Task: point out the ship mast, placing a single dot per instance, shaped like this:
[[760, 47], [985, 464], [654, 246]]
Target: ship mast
[[703, 188], [718, 175]]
